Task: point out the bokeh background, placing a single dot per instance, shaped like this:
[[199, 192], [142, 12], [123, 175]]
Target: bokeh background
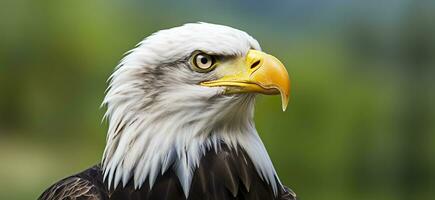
[[360, 124]]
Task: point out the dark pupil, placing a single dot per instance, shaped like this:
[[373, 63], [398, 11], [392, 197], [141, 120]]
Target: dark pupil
[[204, 60]]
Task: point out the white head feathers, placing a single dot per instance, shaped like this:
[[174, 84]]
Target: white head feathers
[[160, 118]]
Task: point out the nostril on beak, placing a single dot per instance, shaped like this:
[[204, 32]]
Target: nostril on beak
[[255, 64]]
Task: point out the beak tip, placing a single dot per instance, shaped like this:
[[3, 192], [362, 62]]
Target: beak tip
[[284, 107], [284, 100]]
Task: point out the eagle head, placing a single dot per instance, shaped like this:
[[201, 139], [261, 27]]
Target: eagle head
[[183, 91]]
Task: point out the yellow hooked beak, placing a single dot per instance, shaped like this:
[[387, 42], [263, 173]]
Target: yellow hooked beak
[[257, 72]]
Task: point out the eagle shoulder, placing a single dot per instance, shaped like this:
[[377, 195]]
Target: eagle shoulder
[[83, 186]]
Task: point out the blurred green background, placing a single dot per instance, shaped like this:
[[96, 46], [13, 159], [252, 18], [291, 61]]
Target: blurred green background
[[360, 124]]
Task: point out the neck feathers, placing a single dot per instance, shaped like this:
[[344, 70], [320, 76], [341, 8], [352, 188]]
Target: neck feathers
[[145, 141]]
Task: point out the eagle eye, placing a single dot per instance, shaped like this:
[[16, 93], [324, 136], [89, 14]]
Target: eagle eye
[[203, 62]]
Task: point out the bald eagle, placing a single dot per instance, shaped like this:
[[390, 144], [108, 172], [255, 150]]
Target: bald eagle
[[180, 109]]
